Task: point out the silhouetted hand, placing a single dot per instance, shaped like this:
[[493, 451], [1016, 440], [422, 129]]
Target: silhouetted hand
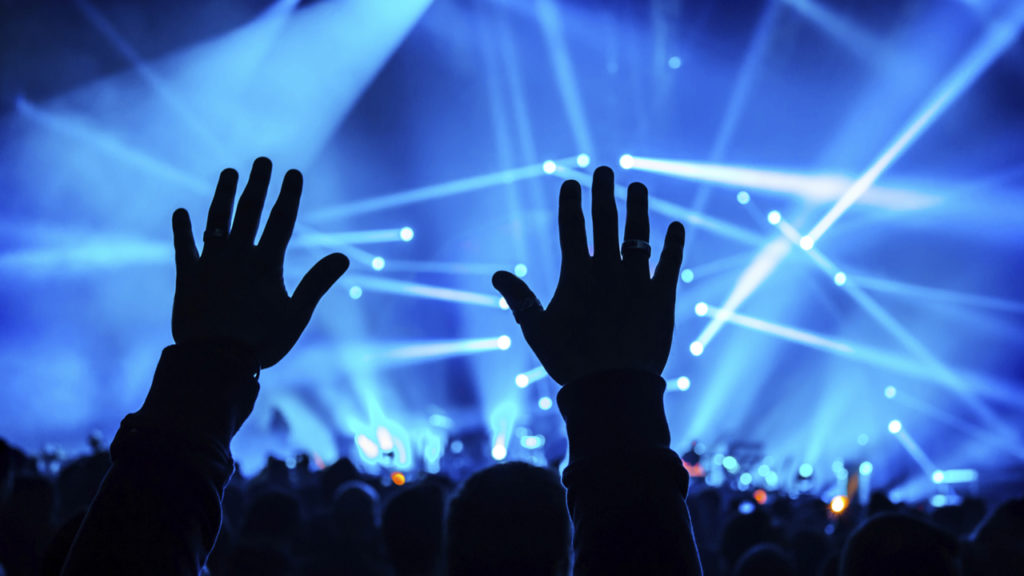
[[234, 294], [607, 312]]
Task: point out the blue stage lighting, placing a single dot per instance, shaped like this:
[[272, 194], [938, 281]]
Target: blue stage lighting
[[806, 470], [502, 303], [367, 448], [456, 447], [683, 383], [532, 442], [583, 160], [545, 403], [701, 309], [696, 348], [839, 278], [743, 197], [746, 507], [866, 468], [774, 217], [355, 292], [686, 275], [763, 470], [626, 161], [890, 392], [806, 243], [745, 479], [675, 62], [499, 452], [895, 426], [549, 167], [730, 463], [406, 234], [938, 477], [520, 270], [938, 500], [377, 263], [522, 380], [504, 342], [863, 439]]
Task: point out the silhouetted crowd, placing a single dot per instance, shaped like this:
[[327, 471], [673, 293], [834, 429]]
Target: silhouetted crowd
[[295, 519]]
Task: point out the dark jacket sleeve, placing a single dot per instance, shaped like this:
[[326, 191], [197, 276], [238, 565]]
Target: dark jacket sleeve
[[626, 487], [158, 510]]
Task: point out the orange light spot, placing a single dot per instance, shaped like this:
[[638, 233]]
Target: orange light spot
[[839, 504], [760, 496], [398, 478]]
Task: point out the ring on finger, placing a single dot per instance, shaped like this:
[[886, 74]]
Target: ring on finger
[[645, 247]]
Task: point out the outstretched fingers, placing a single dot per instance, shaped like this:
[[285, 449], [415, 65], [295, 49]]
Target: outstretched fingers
[[185, 253], [250, 205], [636, 247], [281, 222], [667, 272], [572, 232], [218, 220], [313, 286], [605, 216]]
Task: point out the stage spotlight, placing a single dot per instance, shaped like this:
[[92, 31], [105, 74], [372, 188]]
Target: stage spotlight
[[730, 464], [549, 167], [701, 309], [890, 392], [499, 452], [504, 342], [456, 447], [626, 161], [763, 470], [398, 478], [675, 62], [938, 477], [532, 442], [502, 303], [406, 234], [866, 468], [696, 348], [807, 243], [838, 504], [895, 426], [760, 496], [863, 440], [938, 500], [686, 275], [839, 278], [545, 403], [583, 160], [377, 263], [745, 507], [683, 383], [355, 292], [745, 479], [367, 448], [522, 380], [774, 217], [743, 197], [805, 471], [520, 270]]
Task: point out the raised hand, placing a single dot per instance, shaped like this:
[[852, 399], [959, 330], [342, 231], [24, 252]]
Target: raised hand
[[233, 296], [607, 313]]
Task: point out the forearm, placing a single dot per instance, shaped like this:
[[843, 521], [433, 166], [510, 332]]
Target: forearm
[[158, 509], [626, 487]]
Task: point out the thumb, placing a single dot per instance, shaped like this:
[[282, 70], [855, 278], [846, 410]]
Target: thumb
[[521, 300], [314, 285]]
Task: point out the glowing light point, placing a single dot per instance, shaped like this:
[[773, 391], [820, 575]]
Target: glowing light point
[[686, 275], [938, 477], [838, 504], [774, 217], [398, 478], [760, 496], [502, 303], [890, 392], [683, 383], [367, 447], [696, 348], [522, 380], [807, 243], [545, 403], [499, 452], [863, 440], [675, 62], [456, 446], [730, 463], [806, 470], [377, 263], [866, 468], [355, 292], [701, 309], [839, 278], [504, 342], [583, 160], [549, 167], [406, 234], [626, 161], [746, 478], [895, 426], [743, 198], [520, 270]]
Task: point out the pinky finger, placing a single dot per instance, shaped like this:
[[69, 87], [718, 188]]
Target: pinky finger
[[671, 260]]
